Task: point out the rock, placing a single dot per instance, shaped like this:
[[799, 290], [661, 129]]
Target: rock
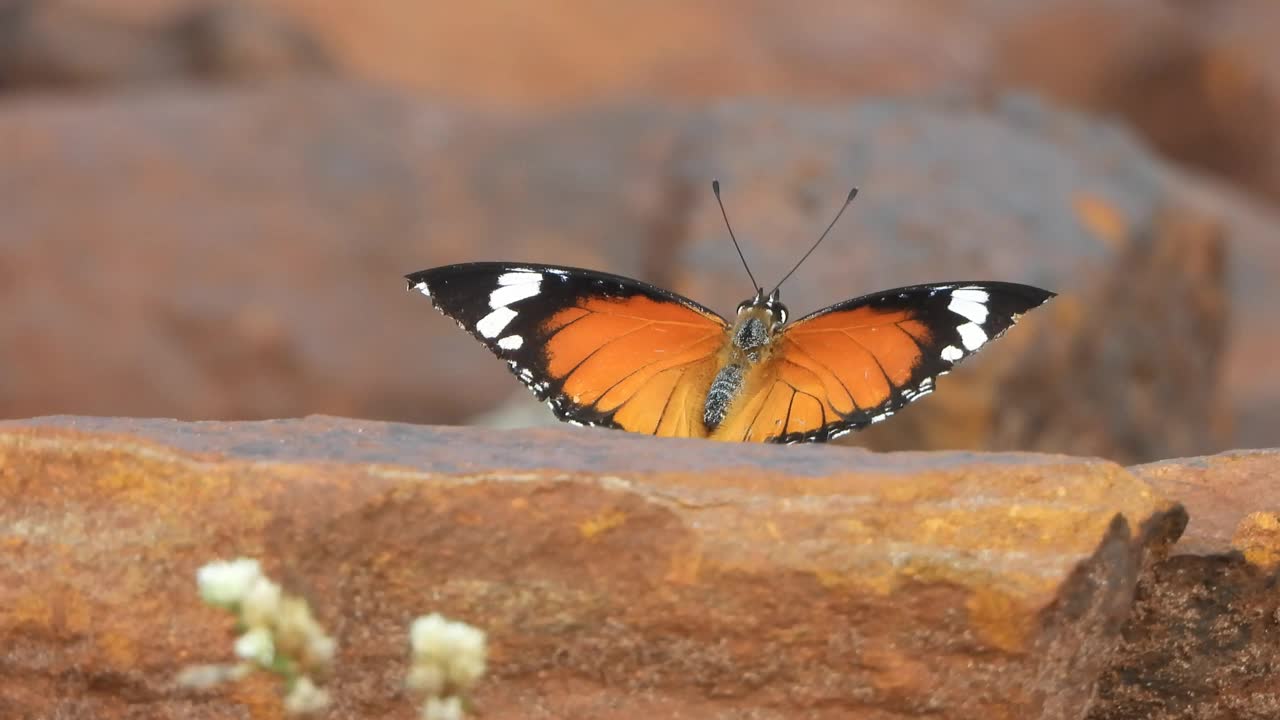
[[1254, 336], [617, 576], [1201, 81], [287, 236], [73, 44], [256, 234], [241, 41], [1203, 642]]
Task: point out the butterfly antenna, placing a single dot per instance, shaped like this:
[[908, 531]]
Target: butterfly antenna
[[852, 194], [715, 188]]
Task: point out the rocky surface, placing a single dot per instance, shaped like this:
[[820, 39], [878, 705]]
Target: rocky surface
[[618, 576], [256, 302], [1204, 639]]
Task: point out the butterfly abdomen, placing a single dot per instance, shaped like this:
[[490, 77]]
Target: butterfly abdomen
[[724, 388]]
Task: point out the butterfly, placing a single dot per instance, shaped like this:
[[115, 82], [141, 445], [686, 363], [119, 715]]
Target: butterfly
[[607, 350]]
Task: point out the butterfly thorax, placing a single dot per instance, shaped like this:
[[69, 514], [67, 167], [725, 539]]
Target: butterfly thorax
[[750, 343]]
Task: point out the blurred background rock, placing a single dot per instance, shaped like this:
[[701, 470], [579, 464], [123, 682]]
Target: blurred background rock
[[206, 205]]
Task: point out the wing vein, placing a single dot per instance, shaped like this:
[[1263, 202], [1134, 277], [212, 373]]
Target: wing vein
[[834, 374], [887, 380], [918, 343], [586, 313], [747, 432], [604, 345], [786, 421], [649, 364], [662, 415]]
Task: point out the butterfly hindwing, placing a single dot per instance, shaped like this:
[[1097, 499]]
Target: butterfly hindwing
[[857, 362], [600, 349]]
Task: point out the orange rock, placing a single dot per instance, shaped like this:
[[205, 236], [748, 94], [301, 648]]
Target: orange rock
[[714, 580]]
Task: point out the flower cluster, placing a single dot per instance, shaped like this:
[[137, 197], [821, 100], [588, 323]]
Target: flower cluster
[[278, 633], [448, 659]]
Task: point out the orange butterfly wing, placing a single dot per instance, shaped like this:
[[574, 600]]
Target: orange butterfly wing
[[600, 349], [856, 363]]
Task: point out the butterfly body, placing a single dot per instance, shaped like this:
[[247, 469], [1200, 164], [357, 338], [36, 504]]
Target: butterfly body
[[607, 350]]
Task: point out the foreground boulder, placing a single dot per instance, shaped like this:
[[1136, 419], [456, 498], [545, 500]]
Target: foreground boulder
[[617, 576]]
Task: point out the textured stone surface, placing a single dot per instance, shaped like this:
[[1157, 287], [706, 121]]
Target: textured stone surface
[[618, 576], [255, 234], [1204, 639]]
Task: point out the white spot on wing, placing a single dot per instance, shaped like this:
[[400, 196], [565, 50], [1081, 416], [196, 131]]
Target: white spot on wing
[[507, 294], [519, 277], [511, 342], [971, 310], [422, 288], [493, 323], [951, 353], [972, 294], [972, 336]]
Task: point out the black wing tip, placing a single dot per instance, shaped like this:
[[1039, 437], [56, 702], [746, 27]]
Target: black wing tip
[[1040, 293], [415, 281], [1029, 295], [1036, 296]]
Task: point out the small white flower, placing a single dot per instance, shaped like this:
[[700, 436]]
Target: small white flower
[[256, 646], [449, 708], [321, 649], [305, 697], [261, 603], [457, 648], [426, 678], [433, 636], [466, 669], [425, 633], [225, 583]]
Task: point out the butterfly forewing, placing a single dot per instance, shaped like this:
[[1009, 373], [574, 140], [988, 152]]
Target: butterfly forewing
[[857, 362], [600, 349]]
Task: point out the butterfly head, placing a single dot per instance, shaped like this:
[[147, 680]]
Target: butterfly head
[[767, 308]]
